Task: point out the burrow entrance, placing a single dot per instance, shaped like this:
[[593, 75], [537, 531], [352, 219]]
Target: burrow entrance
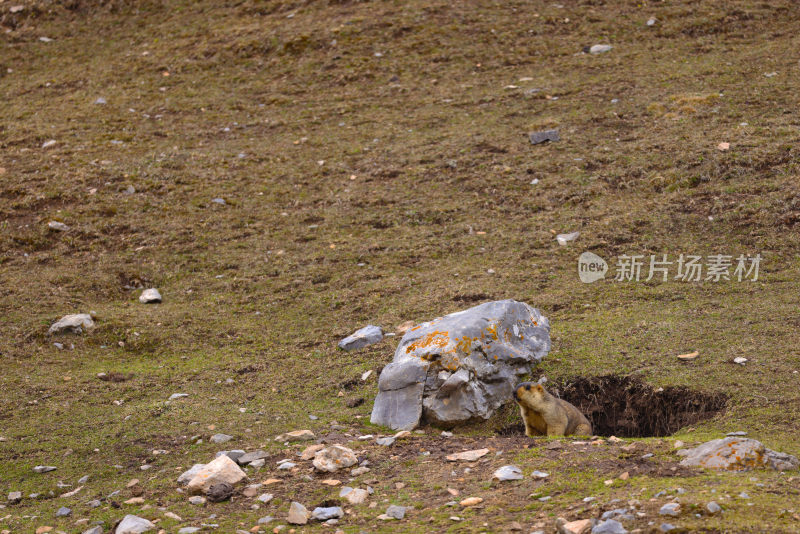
[[626, 406]]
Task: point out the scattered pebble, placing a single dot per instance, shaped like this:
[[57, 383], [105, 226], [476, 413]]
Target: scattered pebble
[[508, 472], [220, 438], [471, 501], [600, 49], [44, 468], [672, 509], [544, 136], [563, 239], [57, 226]]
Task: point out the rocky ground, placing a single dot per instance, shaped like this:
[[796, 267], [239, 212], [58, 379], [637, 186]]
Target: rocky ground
[[284, 173]]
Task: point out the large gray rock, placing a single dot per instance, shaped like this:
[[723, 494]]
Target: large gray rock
[[737, 454], [460, 367], [72, 324]]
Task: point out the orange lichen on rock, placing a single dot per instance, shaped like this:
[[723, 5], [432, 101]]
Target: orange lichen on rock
[[436, 338]]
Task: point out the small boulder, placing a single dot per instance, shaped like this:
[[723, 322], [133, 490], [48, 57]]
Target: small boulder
[[369, 335], [737, 454], [296, 435], [467, 456], [311, 451], [537, 138], [189, 474], [63, 512], [333, 458], [713, 508], [581, 526], [132, 524], [508, 472], [222, 469], [251, 457], [298, 514], [14, 497], [94, 530], [396, 512], [219, 492], [234, 455], [600, 49], [609, 526], [220, 438], [671, 508], [326, 513], [354, 495], [150, 296], [72, 324]]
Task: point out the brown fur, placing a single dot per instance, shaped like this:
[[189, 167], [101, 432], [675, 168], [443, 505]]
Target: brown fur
[[545, 414]]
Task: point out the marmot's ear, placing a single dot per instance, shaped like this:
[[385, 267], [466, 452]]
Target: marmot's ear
[[539, 387]]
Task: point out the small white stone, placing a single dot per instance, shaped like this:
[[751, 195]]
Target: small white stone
[[150, 296]]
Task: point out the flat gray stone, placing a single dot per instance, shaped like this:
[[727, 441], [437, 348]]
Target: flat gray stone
[[235, 454], [609, 526], [14, 497], [57, 226], [132, 524], [63, 512], [44, 468], [671, 508], [544, 136], [396, 512], [713, 508], [94, 530], [326, 513], [189, 530], [220, 438], [77, 323], [600, 49], [386, 442], [252, 457], [508, 472], [461, 367], [369, 335]]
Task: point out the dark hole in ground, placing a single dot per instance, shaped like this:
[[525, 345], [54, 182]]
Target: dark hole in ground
[[626, 406]]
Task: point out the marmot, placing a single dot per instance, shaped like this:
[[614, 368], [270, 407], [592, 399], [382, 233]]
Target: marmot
[[545, 414]]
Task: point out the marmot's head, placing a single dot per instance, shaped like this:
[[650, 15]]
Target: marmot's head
[[529, 393]]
